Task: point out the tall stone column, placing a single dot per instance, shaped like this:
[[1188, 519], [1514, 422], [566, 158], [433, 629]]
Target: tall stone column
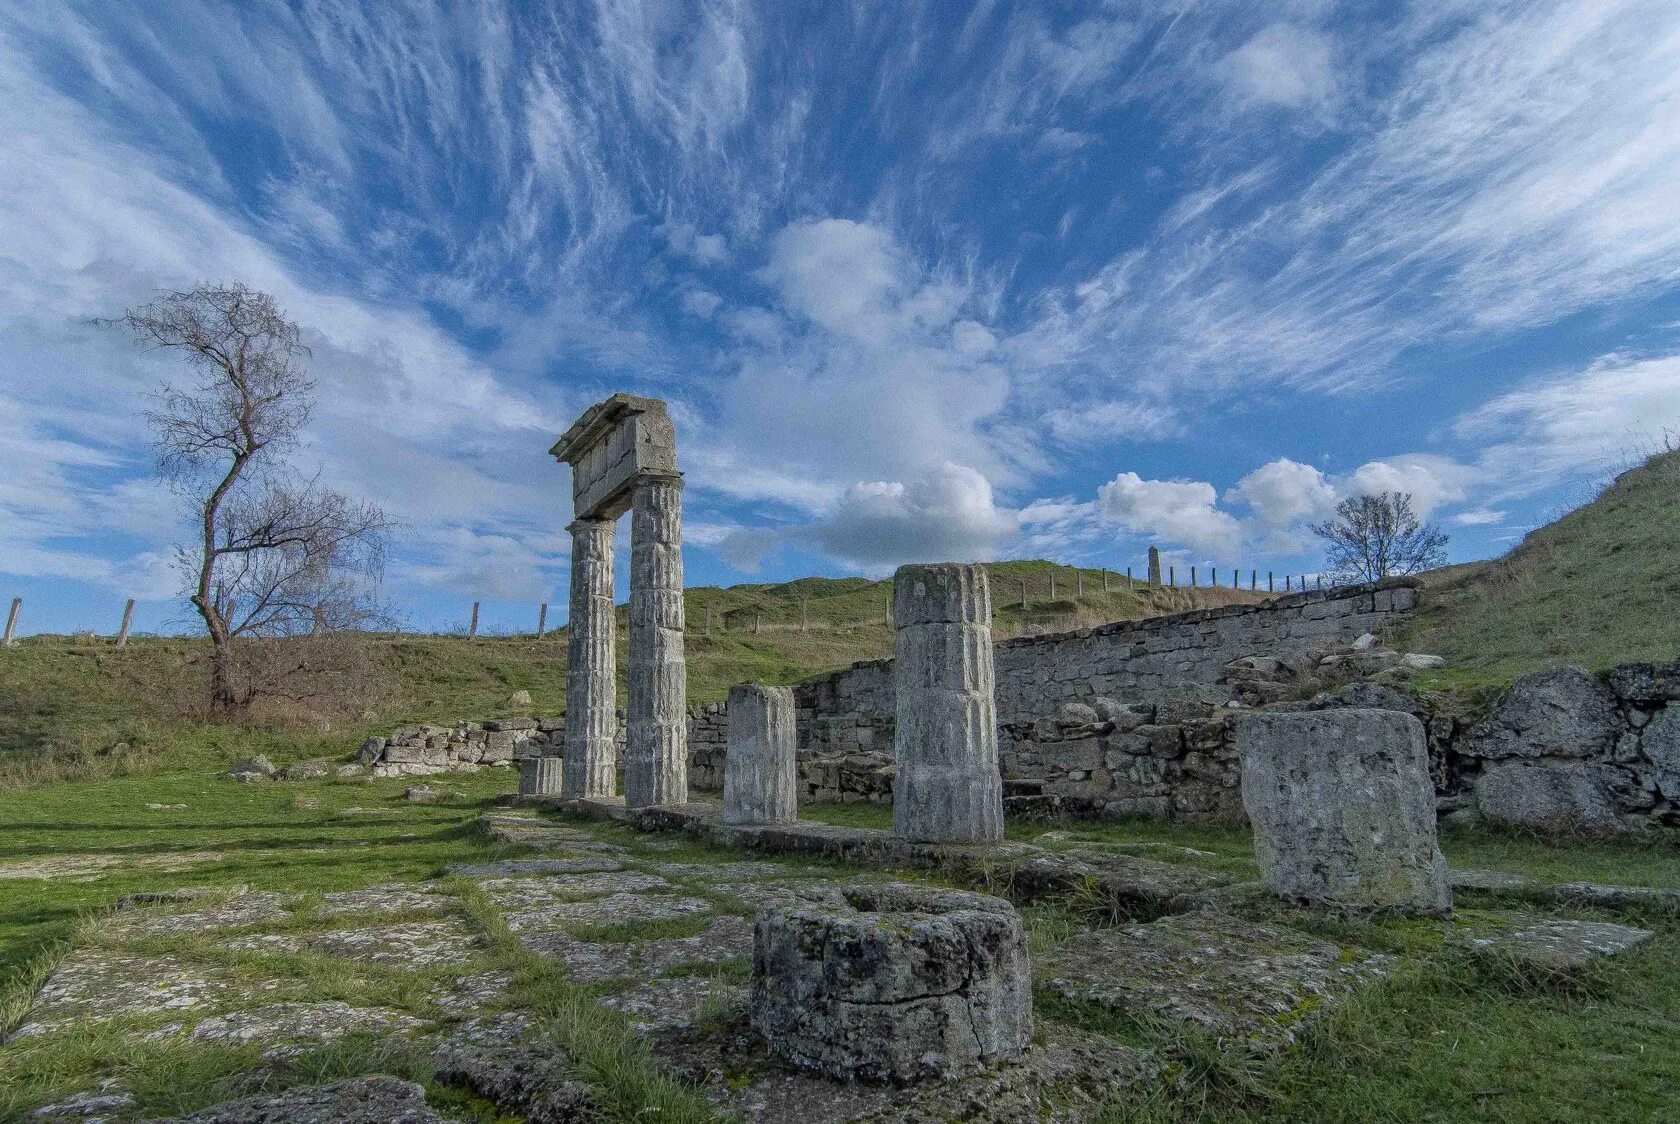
[[760, 785], [656, 747], [948, 788], [1154, 566], [591, 720]]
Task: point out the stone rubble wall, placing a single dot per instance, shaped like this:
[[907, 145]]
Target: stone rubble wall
[[1165, 752]]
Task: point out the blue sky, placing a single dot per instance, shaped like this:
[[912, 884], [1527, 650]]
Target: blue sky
[[918, 280]]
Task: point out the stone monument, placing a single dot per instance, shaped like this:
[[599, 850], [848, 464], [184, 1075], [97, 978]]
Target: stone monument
[[948, 788], [892, 982], [623, 454], [1343, 809], [760, 775], [1154, 566]]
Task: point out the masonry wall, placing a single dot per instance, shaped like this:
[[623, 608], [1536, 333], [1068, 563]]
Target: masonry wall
[[1118, 719]]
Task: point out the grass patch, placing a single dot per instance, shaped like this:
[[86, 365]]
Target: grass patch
[[653, 929]]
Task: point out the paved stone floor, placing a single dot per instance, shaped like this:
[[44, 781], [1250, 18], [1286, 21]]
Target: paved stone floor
[[660, 930]]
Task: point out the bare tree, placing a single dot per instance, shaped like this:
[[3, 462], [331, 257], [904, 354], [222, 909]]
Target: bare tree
[[274, 553], [1380, 536]]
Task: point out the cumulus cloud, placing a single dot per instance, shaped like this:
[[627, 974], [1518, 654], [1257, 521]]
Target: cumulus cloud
[[1284, 492], [947, 514], [1180, 512]]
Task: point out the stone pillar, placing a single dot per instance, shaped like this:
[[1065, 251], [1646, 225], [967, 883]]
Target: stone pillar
[[656, 748], [1154, 566], [760, 782], [1343, 809], [948, 788], [541, 776], [591, 720]]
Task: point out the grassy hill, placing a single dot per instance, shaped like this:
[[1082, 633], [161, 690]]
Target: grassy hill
[[1598, 587], [78, 706]]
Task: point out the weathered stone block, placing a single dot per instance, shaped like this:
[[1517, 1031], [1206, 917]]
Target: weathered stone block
[[1550, 796], [540, 776], [1562, 712], [893, 982], [1343, 809], [760, 779]]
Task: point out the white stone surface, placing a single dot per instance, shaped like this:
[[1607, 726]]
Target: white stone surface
[[760, 776]]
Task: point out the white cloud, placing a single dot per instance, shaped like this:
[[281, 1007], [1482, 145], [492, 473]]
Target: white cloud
[[1478, 517], [1179, 512], [1283, 65], [1431, 481], [1283, 492], [1581, 423], [948, 514], [1113, 421]]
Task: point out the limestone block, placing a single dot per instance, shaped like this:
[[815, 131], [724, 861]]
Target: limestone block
[[948, 786], [892, 982], [1343, 809], [1562, 712], [1660, 745], [759, 777], [1554, 797]]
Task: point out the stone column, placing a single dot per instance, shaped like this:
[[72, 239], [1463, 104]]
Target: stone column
[[541, 776], [591, 720], [948, 789], [1154, 566], [656, 747], [1343, 809], [759, 775]]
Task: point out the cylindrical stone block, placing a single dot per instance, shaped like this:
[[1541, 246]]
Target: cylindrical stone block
[[892, 982], [760, 777], [656, 744], [948, 788], [591, 719], [541, 776], [1343, 809]]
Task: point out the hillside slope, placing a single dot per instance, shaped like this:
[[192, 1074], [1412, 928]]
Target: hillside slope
[[1598, 587], [72, 707]]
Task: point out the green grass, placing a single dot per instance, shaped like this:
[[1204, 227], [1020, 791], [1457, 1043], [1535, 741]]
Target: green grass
[[1597, 587], [79, 707]]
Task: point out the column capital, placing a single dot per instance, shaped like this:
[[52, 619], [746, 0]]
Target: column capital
[[674, 479], [579, 526]]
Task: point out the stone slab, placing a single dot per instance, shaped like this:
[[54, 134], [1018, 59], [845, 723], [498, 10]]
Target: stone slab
[[360, 1100], [1550, 945], [1245, 981]]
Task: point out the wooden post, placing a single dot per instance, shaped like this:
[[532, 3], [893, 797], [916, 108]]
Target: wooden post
[[128, 616], [1253, 580], [805, 615], [1024, 603], [1052, 585], [1079, 583], [1288, 580], [11, 622], [472, 629], [1192, 577], [1172, 576], [758, 623], [542, 620], [1128, 577], [1271, 586], [1321, 581], [886, 611], [1105, 579]]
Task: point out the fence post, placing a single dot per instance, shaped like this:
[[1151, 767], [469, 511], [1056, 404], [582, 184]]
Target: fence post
[[886, 611], [1024, 604], [1271, 586], [1105, 579], [11, 622], [1128, 577], [1052, 585], [1079, 583], [1192, 577], [805, 615], [472, 629], [1253, 580], [758, 623], [128, 616], [1172, 576], [1321, 581], [542, 620]]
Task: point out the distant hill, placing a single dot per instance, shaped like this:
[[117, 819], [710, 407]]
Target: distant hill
[[1599, 586], [78, 706]]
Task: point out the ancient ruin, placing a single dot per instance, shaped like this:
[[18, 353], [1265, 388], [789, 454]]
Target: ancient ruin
[[947, 788], [1342, 809], [760, 782], [624, 458], [892, 983]]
